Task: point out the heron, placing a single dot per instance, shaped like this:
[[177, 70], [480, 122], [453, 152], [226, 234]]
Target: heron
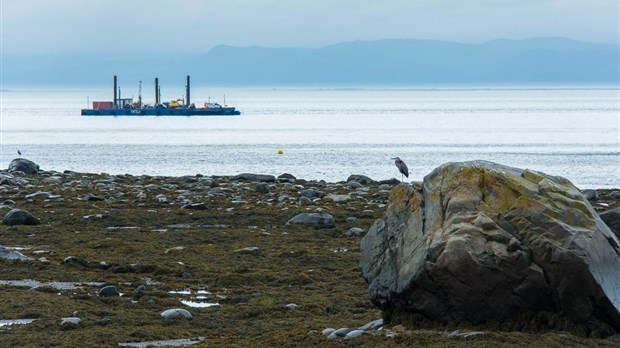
[[19, 152], [402, 167]]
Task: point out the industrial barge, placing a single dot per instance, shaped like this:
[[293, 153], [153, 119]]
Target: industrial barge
[[179, 107]]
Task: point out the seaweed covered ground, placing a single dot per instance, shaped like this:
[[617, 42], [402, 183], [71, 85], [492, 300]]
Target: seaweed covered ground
[[218, 247]]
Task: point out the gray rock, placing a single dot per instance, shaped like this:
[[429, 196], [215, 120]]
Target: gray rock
[[38, 194], [248, 250], [140, 288], [354, 231], [175, 312], [189, 179], [256, 177], [151, 187], [337, 198], [103, 265], [442, 250], [591, 195], [384, 187], [195, 206], [340, 332], [52, 180], [286, 178], [23, 165], [9, 202], [513, 245], [161, 198], [109, 290], [353, 334], [74, 261], [391, 182], [92, 198], [328, 331], [70, 321], [316, 219], [20, 217], [612, 219], [354, 185], [262, 188], [371, 325], [12, 254], [305, 201], [362, 179], [207, 182], [312, 194]]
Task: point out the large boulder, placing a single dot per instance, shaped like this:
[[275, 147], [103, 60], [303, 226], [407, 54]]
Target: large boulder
[[23, 165], [362, 179], [20, 217], [256, 177], [479, 243]]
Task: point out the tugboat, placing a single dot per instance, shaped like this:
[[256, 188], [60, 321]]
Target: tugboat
[[179, 107]]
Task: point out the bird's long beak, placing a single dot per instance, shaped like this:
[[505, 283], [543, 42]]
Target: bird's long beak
[[394, 158]]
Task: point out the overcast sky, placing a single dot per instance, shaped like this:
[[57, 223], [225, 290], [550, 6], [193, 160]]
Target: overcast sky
[[140, 27]]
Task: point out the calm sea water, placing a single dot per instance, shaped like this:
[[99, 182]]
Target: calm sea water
[[327, 134]]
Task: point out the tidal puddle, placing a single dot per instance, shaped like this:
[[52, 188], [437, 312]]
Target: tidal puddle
[[194, 304], [167, 343], [8, 322], [31, 283], [189, 292]]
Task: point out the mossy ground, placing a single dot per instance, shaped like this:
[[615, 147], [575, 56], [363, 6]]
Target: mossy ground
[[315, 269]]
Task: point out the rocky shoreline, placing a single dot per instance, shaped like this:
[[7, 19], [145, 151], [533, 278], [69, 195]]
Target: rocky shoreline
[[247, 260]]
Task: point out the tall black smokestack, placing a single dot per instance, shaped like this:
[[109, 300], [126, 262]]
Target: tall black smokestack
[[187, 91], [156, 91], [115, 98]]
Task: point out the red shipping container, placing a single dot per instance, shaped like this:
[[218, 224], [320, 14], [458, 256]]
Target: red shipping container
[[102, 105]]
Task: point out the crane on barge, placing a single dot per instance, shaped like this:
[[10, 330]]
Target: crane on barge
[[178, 107]]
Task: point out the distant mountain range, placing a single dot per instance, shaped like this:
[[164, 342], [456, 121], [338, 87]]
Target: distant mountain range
[[384, 62]]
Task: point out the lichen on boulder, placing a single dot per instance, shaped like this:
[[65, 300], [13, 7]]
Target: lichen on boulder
[[478, 242]]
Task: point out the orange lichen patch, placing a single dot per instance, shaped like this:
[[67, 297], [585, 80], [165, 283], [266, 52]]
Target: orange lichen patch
[[415, 202], [399, 198]]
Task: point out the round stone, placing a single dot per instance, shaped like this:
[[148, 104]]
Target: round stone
[[109, 290], [175, 312]]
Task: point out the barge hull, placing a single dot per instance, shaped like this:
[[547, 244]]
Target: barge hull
[[163, 112]]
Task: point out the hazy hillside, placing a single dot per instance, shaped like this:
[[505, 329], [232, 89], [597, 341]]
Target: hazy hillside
[[385, 62]]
